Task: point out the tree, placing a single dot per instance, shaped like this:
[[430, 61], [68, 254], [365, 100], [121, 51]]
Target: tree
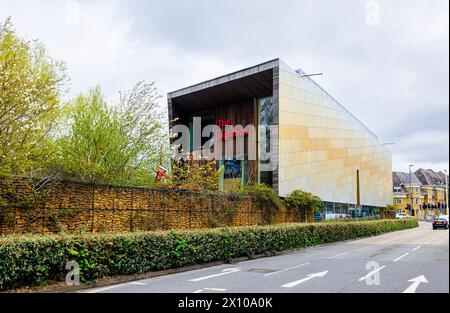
[[303, 202], [388, 212], [195, 174], [31, 84], [112, 144]]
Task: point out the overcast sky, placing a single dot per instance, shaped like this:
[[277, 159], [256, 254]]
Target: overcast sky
[[386, 61]]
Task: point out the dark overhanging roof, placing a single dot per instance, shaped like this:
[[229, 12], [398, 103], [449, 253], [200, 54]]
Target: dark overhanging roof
[[244, 84]]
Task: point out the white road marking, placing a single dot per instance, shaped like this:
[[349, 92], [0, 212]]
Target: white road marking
[[415, 283], [335, 256], [137, 283], [301, 281], [224, 272], [209, 289], [371, 273], [287, 269], [416, 248], [106, 288], [401, 257]]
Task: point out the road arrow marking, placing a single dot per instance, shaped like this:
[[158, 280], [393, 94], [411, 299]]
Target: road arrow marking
[[301, 281], [415, 283], [224, 272]]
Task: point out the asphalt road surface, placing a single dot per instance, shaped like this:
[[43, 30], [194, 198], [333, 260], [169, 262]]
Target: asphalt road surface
[[408, 261]]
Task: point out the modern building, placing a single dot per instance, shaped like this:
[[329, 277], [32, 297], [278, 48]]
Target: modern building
[[316, 144], [408, 195]]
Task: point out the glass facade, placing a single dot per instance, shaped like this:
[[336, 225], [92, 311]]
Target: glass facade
[[235, 174], [332, 210], [265, 119]]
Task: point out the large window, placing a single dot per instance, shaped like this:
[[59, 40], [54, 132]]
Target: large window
[[265, 114], [235, 174]]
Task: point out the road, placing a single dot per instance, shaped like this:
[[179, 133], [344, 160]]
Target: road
[[408, 261]]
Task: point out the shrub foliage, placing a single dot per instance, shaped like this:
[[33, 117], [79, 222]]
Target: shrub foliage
[[32, 261], [303, 202]]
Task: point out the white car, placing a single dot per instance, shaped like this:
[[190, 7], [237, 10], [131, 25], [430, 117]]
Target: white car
[[444, 216], [400, 216]]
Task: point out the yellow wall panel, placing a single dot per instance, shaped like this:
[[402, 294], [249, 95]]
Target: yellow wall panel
[[322, 146]]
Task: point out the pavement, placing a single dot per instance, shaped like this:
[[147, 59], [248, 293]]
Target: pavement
[[408, 261]]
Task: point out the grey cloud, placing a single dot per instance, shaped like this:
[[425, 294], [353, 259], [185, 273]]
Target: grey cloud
[[394, 77]]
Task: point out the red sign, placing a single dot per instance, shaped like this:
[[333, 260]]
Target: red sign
[[223, 123], [233, 133]]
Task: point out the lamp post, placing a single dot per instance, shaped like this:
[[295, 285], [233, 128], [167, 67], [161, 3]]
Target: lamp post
[[410, 190]]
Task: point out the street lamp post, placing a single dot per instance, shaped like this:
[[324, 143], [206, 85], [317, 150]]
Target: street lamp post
[[410, 190]]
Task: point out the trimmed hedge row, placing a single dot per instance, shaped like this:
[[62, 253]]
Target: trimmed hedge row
[[34, 260]]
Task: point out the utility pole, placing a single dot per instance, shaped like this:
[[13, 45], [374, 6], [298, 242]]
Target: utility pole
[[410, 190]]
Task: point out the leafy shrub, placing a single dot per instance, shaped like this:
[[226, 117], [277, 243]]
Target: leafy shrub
[[265, 197], [195, 175], [303, 202], [34, 260]]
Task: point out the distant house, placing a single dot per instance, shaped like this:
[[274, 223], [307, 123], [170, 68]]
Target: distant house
[[433, 186], [407, 187], [426, 189]]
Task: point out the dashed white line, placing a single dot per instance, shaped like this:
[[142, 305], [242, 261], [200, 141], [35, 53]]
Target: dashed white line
[[209, 289], [416, 248], [371, 273], [106, 288], [137, 283], [335, 256], [401, 257], [287, 269], [224, 272]]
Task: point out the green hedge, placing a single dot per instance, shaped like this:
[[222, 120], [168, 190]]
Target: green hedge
[[34, 260]]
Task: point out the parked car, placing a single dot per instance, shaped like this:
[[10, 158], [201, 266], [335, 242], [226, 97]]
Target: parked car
[[445, 216], [400, 216], [440, 222]]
